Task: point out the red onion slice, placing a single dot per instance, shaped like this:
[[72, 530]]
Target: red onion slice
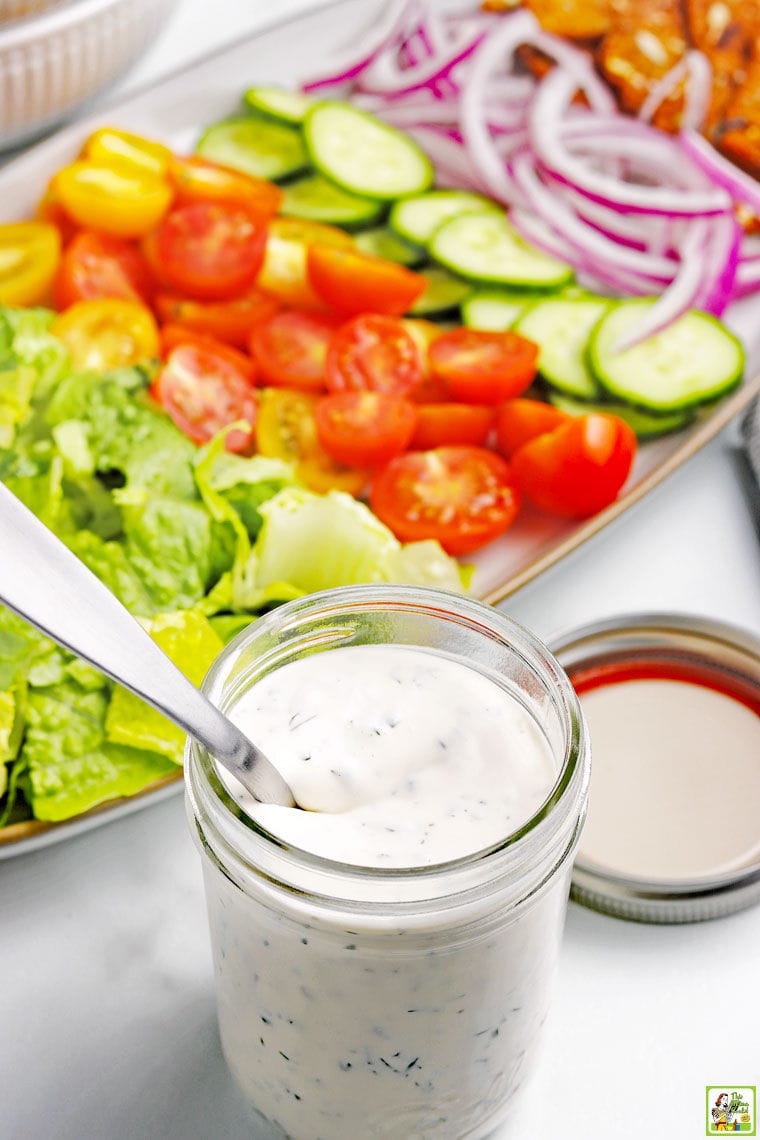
[[697, 70], [739, 185]]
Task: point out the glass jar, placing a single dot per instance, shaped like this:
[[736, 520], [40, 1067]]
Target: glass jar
[[398, 1003]]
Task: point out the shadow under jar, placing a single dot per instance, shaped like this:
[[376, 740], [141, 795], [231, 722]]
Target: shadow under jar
[[405, 1002]]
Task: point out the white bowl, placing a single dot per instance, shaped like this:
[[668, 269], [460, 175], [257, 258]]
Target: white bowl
[[56, 59]]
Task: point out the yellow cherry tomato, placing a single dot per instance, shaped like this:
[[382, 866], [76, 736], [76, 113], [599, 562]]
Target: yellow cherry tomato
[[286, 429], [122, 149], [29, 257], [283, 274], [123, 201], [107, 333]]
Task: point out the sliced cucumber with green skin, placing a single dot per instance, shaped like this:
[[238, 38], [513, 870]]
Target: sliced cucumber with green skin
[[256, 146], [692, 361], [278, 103], [561, 328], [484, 247], [495, 310], [443, 293], [646, 425], [417, 217], [382, 242], [363, 154], [316, 198]]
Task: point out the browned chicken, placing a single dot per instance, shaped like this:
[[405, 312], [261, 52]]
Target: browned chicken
[[738, 136], [645, 40], [572, 19], [726, 31]]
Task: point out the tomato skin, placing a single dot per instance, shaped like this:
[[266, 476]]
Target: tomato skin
[[30, 253], [462, 496], [171, 335], [283, 274], [123, 201], [197, 180], [483, 367], [100, 265], [115, 147], [290, 350], [519, 420], [107, 332], [374, 353], [203, 393], [228, 321], [351, 282], [364, 429], [440, 425], [211, 250], [577, 469]]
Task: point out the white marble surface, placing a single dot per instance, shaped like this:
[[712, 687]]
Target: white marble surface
[[107, 1007]]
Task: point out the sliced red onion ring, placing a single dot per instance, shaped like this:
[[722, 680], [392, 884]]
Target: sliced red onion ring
[[721, 263], [739, 185], [697, 70], [396, 17]]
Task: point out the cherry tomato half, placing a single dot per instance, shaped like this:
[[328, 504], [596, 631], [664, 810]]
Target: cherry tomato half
[[29, 256], [291, 349], [462, 496], [483, 367], [114, 147], [351, 282], [518, 420], [197, 180], [374, 353], [284, 272], [126, 201], [203, 393], [100, 265], [211, 250], [108, 332], [229, 321], [439, 425], [577, 469], [364, 429], [172, 335]]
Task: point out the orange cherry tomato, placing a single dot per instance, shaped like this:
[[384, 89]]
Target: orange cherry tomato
[[124, 201], [115, 147], [351, 282], [578, 468], [284, 272], [462, 496], [373, 353], [211, 250], [29, 257], [519, 420], [439, 425], [109, 332], [172, 335], [287, 429], [364, 429], [483, 367], [229, 321], [291, 349], [99, 265], [204, 392], [198, 180]]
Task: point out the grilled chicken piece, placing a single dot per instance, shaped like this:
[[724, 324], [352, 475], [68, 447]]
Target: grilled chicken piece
[[725, 30], [738, 135], [572, 19], [646, 39]]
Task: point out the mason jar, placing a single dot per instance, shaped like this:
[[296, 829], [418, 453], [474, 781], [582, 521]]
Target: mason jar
[[403, 1003]]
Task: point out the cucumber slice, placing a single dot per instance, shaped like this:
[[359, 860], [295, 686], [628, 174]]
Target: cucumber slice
[[364, 155], [561, 329], [647, 425], [484, 247], [316, 198], [382, 242], [443, 293], [494, 310], [692, 361], [418, 217], [256, 146], [278, 103]]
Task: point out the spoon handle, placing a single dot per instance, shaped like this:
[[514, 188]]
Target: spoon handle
[[43, 582]]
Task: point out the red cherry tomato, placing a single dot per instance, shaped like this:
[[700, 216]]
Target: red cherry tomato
[[462, 496], [198, 180], [376, 354], [364, 429], [577, 469], [211, 250], [439, 425], [172, 335], [230, 321], [351, 282], [96, 265], [203, 393], [291, 349], [518, 420], [483, 367]]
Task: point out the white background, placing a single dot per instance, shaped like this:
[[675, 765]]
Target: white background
[[105, 976]]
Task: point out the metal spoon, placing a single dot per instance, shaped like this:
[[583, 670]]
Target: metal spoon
[[43, 582]]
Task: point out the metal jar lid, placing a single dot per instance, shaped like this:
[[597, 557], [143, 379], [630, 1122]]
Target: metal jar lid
[[684, 642]]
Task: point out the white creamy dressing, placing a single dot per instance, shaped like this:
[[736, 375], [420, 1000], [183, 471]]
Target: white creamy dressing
[[675, 789], [403, 757]]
